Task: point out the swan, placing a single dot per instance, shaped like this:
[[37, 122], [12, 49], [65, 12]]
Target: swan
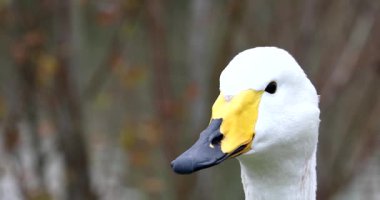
[[266, 116]]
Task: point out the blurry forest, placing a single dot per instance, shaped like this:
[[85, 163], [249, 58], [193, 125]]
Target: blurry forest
[[98, 96]]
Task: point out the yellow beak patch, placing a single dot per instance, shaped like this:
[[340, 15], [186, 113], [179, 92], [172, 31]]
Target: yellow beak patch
[[239, 116]]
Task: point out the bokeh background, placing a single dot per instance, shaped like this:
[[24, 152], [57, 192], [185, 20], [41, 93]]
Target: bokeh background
[[98, 96]]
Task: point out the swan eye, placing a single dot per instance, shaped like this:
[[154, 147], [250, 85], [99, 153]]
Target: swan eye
[[271, 87]]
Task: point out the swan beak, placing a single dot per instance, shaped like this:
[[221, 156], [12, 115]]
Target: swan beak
[[229, 134]]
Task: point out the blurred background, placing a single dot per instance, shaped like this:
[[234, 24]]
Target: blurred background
[[98, 96]]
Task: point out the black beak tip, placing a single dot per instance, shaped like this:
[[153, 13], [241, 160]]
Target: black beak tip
[[182, 166]]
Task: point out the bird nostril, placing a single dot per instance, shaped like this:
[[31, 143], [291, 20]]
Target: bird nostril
[[216, 140]]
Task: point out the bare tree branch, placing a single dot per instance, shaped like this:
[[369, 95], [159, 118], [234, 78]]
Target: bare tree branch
[[67, 114], [345, 67]]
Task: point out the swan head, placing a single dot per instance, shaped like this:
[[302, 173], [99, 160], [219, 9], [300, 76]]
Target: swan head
[[266, 106]]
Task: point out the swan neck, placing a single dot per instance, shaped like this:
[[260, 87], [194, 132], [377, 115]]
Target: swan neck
[[279, 180]]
